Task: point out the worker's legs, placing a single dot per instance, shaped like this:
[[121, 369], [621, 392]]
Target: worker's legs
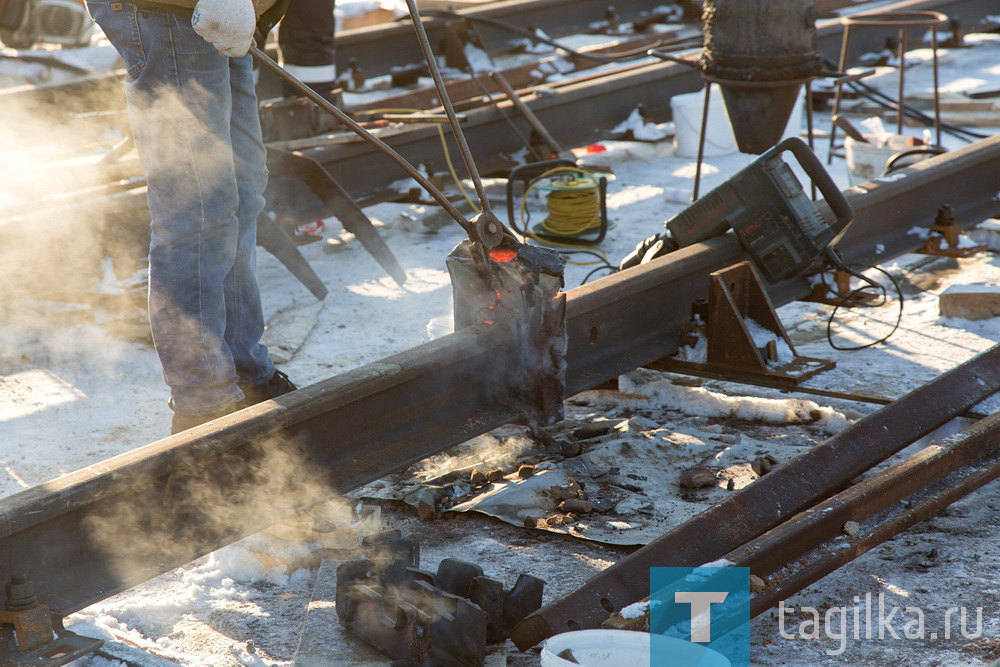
[[244, 317], [306, 40], [184, 117]]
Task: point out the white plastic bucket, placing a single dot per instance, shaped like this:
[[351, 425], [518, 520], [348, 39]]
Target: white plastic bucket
[[687, 111], [624, 648], [865, 161], [719, 138]]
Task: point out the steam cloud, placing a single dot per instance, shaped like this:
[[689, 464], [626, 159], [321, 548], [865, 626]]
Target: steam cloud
[[202, 505]]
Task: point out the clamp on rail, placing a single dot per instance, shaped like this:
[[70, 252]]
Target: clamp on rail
[[486, 230]]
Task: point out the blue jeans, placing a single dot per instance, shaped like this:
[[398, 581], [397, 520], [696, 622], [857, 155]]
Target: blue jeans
[[194, 119]]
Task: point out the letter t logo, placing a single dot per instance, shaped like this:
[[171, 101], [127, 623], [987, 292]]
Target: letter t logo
[[701, 616]]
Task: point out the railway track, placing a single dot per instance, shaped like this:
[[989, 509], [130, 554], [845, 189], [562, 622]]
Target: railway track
[[187, 495]]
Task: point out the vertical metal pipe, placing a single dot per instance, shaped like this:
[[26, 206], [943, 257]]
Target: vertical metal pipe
[[839, 89], [701, 141], [937, 94], [809, 125], [901, 57]]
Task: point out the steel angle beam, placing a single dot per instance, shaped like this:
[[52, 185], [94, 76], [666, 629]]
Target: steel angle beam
[[817, 541], [184, 496]]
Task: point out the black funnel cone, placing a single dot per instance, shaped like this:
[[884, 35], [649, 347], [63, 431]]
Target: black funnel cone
[[759, 114]]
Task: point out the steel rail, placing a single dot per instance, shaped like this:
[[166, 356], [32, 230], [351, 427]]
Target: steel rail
[[381, 47], [184, 496], [811, 544]]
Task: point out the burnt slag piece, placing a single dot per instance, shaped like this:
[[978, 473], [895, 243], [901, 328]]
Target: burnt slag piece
[[440, 619]]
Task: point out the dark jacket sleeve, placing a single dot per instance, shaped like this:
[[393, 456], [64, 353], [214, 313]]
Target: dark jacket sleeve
[[270, 18]]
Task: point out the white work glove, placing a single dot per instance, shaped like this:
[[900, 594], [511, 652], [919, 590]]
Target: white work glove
[[227, 24]]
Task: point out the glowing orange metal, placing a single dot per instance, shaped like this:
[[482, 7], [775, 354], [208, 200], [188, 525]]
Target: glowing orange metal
[[503, 255]]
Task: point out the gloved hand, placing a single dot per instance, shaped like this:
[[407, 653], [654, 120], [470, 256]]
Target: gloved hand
[[227, 24]]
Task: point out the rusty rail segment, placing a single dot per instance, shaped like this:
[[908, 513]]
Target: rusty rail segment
[[184, 496], [378, 48], [883, 505], [786, 490]]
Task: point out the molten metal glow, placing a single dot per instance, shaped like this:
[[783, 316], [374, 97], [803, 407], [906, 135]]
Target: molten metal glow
[[503, 255]]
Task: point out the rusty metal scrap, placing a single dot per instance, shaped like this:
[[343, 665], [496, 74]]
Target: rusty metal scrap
[[784, 491]]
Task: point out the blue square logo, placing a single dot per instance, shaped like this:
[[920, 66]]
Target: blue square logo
[[696, 615]]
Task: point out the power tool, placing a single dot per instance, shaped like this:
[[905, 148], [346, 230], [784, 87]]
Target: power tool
[[772, 215]]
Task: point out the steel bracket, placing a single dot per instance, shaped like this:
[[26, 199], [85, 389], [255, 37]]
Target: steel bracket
[[736, 302], [945, 237], [822, 293], [457, 34], [28, 635]]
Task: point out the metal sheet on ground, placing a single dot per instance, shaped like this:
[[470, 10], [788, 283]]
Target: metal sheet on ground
[[636, 487]]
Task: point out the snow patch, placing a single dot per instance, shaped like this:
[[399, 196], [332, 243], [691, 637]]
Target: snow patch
[[638, 609], [763, 336], [702, 402], [640, 129]]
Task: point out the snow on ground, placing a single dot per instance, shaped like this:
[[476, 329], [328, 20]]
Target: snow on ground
[[73, 393]]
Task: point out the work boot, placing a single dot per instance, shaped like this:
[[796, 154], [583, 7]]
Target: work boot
[[278, 384], [182, 422]]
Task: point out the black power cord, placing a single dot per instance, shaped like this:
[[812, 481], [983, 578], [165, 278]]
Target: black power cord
[[852, 299], [610, 268]]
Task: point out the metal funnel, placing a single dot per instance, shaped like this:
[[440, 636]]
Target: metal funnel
[[759, 114]]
